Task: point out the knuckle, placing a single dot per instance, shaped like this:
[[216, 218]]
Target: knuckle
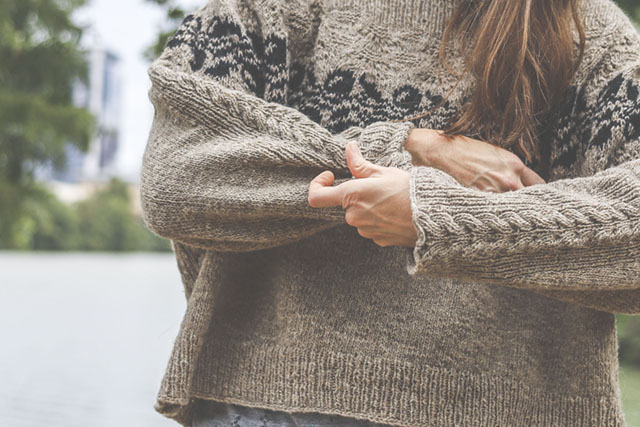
[[509, 182], [513, 186], [348, 198], [515, 164], [358, 165]]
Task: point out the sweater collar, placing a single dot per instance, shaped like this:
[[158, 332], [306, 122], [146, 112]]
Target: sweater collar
[[426, 16]]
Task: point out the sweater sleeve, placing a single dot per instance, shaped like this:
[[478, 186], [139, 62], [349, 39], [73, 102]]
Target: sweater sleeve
[[574, 239], [228, 163]]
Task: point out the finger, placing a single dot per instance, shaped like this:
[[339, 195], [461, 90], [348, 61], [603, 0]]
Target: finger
[[358, 165], [529, 177], [322, 194], [369, 232], [365, 233]]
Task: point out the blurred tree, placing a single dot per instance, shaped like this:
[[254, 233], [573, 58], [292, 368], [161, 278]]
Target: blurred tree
[[41, 60], [629, 337], [106, 223], [45, 223], [175, 15], [632, 7], [102, 222]]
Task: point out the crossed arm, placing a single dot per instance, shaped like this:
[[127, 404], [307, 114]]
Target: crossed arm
[[378, 202], [574, 240], [225, 170]]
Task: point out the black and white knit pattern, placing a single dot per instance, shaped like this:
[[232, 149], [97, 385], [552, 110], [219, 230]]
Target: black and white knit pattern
[[345, 98]]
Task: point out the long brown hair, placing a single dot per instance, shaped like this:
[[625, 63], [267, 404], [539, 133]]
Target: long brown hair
[[523, 58]]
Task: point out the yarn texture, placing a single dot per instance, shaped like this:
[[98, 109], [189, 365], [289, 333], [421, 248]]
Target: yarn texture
[[503, 312]]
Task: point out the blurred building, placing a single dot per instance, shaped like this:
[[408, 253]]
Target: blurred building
[[102, 97]]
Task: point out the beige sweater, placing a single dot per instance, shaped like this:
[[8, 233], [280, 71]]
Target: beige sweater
[[502, 314]]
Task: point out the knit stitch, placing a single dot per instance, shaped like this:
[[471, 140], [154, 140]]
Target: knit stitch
[[503, 312]]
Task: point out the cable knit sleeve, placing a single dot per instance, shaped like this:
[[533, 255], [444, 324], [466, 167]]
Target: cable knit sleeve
[[574, 239], [228, 163]]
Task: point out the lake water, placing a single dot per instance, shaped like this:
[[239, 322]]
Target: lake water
[[85, 338]]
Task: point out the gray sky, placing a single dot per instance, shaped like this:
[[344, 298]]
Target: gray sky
[[127, 27]]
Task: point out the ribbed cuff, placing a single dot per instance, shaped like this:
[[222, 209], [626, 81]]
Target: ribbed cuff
[[383, 144], [428, 187], [555, 236]]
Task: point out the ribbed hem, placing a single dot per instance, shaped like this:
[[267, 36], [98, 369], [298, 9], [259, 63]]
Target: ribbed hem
[[386, 391]]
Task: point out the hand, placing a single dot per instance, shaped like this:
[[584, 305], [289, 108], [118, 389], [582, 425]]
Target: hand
[[377, 202], [471, 162]]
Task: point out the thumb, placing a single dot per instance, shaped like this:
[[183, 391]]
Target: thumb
[[321, 192], [358, 165]]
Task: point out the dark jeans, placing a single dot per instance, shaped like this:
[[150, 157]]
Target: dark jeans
[[216, 414]]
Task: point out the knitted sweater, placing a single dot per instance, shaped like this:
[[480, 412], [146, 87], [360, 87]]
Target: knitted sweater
[[503, 312]]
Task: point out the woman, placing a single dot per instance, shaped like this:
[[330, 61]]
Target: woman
[[365, 236]]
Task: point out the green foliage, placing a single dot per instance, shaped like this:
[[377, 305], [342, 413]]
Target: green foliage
[[103, 222], [44, 223], [175, 15], [629, 338], [41, 60], [630, 387], [632, 7], [49, 224]]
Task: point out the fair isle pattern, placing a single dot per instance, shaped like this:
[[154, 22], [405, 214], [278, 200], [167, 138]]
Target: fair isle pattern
[[222, 44], [341, 100], [335, 104], [616, 108], [610, 129], [503, 312]]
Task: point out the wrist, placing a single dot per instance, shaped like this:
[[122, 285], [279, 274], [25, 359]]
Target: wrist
[[423, 145]]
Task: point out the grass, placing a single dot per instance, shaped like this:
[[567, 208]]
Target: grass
[[630, 385]]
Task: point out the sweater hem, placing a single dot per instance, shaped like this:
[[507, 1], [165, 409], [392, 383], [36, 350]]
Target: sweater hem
[[394, 392]]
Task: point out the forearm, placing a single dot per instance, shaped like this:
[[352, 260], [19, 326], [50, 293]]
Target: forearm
[[566, 235], [423, 145], [229, 171], [228, 163]]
